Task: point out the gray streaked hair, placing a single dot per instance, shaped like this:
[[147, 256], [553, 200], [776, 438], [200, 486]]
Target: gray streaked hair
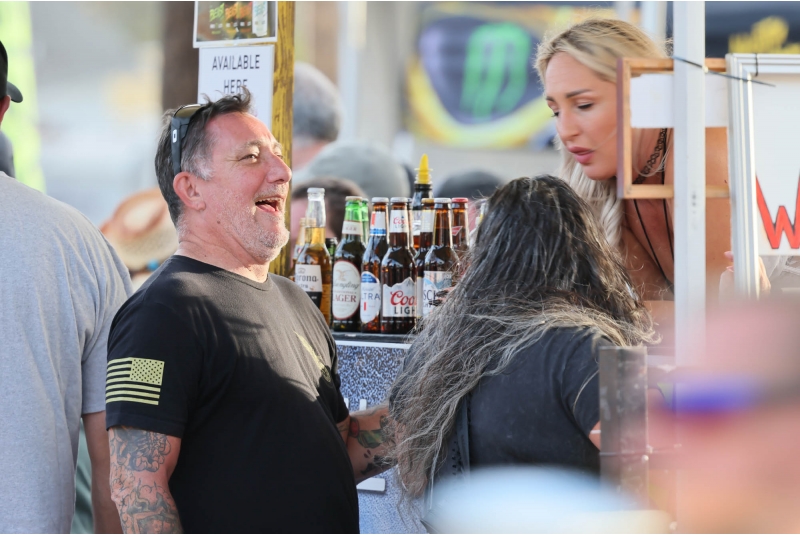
[[539, 262]]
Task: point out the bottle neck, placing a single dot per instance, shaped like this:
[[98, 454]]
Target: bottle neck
[[315, 236], [378, 223], [425, 240], [398, 228], [316, 212], [442, 230]]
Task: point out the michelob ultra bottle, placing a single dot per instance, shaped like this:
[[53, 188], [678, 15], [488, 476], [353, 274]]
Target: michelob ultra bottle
[[313, 270], [371, 268], [425, 242], [460, 225], [347, 270], [422, 190], [441, 259], [398, 276]]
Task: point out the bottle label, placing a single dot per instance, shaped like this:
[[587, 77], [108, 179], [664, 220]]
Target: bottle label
[[352, 228], [346, 290], [427, 220], [378, 223], [370, 297], [419, 295], [309, 278], [416, 222], [398, 222], [399, 301], [432, 283]]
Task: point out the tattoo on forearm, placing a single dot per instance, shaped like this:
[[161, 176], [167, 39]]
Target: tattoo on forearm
[[369, 439], [139, 450], [144, 506]]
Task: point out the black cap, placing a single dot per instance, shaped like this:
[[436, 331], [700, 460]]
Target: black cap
[[6, 87]]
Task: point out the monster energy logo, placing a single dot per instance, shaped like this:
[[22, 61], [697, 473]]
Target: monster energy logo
[[497, 55]]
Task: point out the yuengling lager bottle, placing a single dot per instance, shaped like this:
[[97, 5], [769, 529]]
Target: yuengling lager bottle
[[347, 270]]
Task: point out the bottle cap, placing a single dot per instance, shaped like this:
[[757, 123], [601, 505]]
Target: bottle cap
[[316, 191], [460, 199], [399, 199], [442, 200], [427, 201], [380, 199], [351, 198], [423, 171]]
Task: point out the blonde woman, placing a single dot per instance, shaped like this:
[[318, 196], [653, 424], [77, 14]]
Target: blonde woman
[[578, 69]]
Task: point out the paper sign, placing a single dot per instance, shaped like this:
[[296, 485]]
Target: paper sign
[[225, 71]]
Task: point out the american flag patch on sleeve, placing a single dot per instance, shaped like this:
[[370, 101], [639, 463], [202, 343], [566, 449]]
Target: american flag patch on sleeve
[[134, 379]]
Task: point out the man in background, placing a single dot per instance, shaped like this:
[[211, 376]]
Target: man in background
[[60, 286], [317, 109]]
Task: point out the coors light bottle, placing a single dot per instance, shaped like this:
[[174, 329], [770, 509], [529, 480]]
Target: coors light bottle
[[398, 275]]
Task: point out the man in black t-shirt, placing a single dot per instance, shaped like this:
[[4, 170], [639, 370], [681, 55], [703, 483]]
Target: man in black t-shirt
[[222, 392]]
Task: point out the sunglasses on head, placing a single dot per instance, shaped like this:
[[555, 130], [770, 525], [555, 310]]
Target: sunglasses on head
[[179, 127]]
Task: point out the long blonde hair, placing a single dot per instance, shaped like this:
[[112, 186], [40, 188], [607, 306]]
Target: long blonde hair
[[597, 44]]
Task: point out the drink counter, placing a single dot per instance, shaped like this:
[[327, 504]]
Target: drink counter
[[368, 364]]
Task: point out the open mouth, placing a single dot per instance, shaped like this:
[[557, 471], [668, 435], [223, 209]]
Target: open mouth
[[272, 205]]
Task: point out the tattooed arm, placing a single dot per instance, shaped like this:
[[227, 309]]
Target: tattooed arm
[[141, 465], [364, 434]]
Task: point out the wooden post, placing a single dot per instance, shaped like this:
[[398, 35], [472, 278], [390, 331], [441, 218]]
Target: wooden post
[[282, 116]]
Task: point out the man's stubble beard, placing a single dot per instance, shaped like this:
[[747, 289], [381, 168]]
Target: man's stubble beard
[[260, 243]]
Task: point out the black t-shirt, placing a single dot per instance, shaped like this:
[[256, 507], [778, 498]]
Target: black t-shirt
[[540, 409], [245, 373]]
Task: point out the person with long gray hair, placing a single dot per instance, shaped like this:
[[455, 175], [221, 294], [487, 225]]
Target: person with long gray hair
[[513, 344]]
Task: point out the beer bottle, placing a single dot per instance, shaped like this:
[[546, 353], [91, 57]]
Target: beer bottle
[[330, 245], [298, 244], [441, 259], [460, 225], [371, 268], [425, 242], [347, 270], [313, 271], [398, 276], [422, 190], [365, 219]]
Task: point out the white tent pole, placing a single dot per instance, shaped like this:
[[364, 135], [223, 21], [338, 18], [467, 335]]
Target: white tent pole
[[654, 19], [690, 179]]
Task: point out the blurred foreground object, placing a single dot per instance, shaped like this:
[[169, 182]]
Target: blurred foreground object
[[142, 233], [738, 421], [537, 500]]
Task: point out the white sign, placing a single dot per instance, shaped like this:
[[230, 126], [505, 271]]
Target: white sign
[[776, 116], [225, 71], [651, 101]]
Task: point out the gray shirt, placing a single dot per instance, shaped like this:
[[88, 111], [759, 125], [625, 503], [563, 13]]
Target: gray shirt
[[60, 285]]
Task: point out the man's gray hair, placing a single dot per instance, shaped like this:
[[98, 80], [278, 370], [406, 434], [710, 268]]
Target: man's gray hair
[[196, 146], [317, 106]]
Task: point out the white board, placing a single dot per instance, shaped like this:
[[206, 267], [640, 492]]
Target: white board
[[776, 122], [651, 99], [770, 146], [225, 71]]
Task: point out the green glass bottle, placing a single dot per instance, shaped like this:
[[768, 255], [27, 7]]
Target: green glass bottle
[[347, 270]]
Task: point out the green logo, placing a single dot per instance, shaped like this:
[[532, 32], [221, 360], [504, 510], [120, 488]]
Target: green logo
[[496, 54]]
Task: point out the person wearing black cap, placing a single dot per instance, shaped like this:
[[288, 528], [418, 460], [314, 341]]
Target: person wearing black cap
[[60, 285]]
